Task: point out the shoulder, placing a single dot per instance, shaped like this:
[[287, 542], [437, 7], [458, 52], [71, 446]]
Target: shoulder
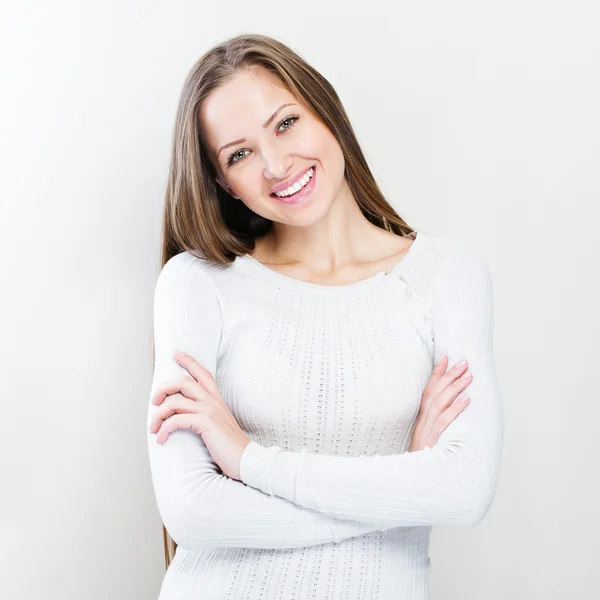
[[186, 277], [188, 266], [445, 262], [459, 272], [458, 254], [183, 264]]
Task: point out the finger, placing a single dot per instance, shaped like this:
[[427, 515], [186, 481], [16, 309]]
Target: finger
[[448, 378], [185, 385], [440, 367], [174, 405], [434, 387], [179, 421], [442, 422], [200, 373], [450, 394], [438, 371], [445, 398]]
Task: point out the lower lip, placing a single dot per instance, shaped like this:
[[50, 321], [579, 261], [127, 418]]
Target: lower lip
[[301, 194]]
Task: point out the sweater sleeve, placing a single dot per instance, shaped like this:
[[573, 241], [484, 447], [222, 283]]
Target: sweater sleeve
[[199, 505], [452, 483]]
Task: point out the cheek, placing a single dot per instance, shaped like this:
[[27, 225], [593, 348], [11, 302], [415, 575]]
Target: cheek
[[248, 183], [316, 141], [243, 178], [327, 148]]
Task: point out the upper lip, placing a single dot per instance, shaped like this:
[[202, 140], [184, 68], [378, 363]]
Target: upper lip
[[286, 184]]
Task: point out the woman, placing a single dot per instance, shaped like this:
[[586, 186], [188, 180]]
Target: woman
[[305, 443]]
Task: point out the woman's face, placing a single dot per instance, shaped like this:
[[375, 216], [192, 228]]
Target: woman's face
[[260, 137]]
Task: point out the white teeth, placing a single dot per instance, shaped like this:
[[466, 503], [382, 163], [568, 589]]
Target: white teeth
[[298, 185]]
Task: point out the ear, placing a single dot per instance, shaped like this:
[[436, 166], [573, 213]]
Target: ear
[[224, 185]]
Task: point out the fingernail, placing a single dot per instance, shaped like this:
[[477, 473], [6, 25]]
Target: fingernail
[[462, 363], [439, 362]]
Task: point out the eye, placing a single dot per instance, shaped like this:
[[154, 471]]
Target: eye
[[232, 157], [292, 119], [235, 157]]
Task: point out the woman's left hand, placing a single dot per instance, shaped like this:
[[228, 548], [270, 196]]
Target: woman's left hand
[[195, 403]]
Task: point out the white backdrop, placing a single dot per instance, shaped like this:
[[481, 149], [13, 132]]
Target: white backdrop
[[480, 121]]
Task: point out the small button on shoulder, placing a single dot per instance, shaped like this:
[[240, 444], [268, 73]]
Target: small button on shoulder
[[408, 291], [427, 318]]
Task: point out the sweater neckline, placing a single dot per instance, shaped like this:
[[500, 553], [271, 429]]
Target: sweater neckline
[[275, 276]]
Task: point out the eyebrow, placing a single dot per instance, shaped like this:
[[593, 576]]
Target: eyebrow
[[265, 125]]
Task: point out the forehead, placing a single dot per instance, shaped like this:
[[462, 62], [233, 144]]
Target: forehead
[[239, 107]]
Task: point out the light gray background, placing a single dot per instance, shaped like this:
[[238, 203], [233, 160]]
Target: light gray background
[[479, 119]]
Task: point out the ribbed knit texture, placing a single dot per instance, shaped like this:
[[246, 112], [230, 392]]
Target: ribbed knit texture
[[327, 383]]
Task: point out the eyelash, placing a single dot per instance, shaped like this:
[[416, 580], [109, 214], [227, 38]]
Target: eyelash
[[293, 118]]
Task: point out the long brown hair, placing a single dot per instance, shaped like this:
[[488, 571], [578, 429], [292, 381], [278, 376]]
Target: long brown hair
[[201, 217]]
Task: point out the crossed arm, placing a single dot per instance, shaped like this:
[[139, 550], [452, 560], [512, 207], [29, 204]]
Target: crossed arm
[[297, 499], [199, 506], [452, 483]]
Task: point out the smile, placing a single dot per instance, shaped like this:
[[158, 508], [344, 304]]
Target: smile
[[299, 190]]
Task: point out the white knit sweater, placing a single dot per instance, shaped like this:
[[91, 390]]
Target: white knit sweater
[[327, 382]]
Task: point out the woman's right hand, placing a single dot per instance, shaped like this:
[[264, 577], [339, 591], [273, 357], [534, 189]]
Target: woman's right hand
[[438, 408]]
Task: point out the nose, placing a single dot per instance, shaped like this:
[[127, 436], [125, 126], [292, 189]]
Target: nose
[[277, 165], [277, 172]]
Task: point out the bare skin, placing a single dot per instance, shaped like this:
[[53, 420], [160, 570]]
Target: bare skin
[[387, 250], [195, 403], [326, 240], [438, 407]]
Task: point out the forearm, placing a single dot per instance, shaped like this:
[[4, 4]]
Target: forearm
[[452, 483], [201, 507]]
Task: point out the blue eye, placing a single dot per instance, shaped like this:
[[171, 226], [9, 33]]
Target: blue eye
[[232, 156], [291, 120]]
